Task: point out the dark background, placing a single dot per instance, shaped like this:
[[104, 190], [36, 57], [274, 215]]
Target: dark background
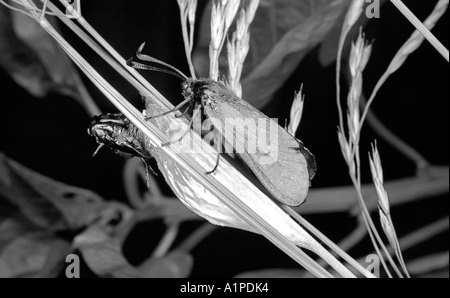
[[49, 134]]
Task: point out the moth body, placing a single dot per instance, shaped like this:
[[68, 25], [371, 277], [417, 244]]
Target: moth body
[[279, 160]]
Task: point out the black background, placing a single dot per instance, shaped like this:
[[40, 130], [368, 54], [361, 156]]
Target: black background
[[49, 134]]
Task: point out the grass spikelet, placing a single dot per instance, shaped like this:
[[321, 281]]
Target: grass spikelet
[[296, 112], [239, 46], [187, 15], [384, 206], [222, 15]]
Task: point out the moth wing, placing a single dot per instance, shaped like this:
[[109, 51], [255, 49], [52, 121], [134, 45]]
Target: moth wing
[[269, 150]]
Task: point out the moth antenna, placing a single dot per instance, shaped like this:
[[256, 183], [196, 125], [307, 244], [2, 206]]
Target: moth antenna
[[97, 150], [157, 61], [138, 65]]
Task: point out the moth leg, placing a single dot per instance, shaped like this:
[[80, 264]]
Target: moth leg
[[195, 114], [148, 169], [182, 114], [98, 149], [191, 105], [178, 107], [216, 166]]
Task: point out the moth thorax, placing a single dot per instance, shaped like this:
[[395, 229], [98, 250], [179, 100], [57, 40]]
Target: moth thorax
[[208, 102]]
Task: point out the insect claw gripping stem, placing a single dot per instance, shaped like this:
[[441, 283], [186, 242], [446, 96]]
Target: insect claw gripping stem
[[182, 114], [196, 111], [177, 108], [216, 166]]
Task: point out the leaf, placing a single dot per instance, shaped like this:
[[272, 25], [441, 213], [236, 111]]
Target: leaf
[[273, 273], [313, 20], [57, 63], [28, 254], [19, 60], [45, 202], [12, 228], [177, 264], [103, 254], [36, 61], [282, 33]]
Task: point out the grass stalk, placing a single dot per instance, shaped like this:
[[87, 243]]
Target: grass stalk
[[338, 250], [423, 28]]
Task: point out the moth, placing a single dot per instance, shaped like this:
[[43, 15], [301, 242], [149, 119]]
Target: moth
[[287, 176], [120, 135]]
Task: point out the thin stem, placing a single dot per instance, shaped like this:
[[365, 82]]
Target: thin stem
[[421, 28], [402, 262], [369, 224], [187, 41], [16, 9], [166, 241], [44, 9], [401, 191], [196, 237], [422, 234], [191, 46], [374, 234], [131, 183], [337, 249], [392, 139], [338, 77], [408, 47]]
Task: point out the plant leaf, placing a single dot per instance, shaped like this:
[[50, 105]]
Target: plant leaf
[[12, 228], [177, 264], [28, 254], [45, 202], [313, 20], [19, 60], [37, 62], [282, 33], [103, 253], [57, 63]]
